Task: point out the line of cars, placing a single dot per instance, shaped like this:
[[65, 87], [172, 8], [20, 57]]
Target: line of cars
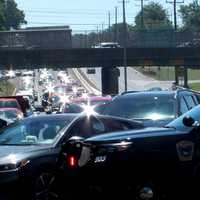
[[68, 96], [90, 152]]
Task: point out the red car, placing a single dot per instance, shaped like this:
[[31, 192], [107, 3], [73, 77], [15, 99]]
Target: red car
[[9, 103], [18, 102]]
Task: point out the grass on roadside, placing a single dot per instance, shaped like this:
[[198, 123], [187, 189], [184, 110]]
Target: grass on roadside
[[195, 86], [167, 73]]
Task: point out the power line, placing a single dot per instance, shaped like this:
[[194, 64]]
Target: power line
[[61, 17], [72, 12], [70, 24], [64, 10], [65, 13]]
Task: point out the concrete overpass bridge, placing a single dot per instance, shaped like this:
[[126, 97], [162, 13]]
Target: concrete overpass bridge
[[108, 59], [92, 57]]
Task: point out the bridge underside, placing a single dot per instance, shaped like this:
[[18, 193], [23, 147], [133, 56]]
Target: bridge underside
[[91, 57]]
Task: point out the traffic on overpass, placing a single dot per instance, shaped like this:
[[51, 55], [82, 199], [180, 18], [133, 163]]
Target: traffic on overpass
[[97, 103]]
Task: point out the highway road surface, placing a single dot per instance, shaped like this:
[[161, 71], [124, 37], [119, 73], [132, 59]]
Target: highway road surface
[[136, 80]]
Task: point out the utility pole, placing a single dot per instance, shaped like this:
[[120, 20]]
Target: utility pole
[[142, 14], [102, 32], [98, 39], [175, 19], [116, 24], [175, 2], [86, 40], [109, 26], [125, 45]]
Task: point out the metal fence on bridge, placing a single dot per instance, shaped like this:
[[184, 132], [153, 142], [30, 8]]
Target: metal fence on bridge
[[60, 38], [164, 38], [39, 37]]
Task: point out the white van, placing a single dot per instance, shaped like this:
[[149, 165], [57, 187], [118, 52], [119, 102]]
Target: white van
[[107, 45]]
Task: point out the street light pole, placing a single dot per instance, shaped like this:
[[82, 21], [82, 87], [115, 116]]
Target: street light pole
[[125, 45], [174, 2], [175, 19], [109, 26], [142, 14], [116, 25]]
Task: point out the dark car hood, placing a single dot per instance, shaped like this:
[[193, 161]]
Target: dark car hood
[[154, 123], [133, 134], [7, 153]]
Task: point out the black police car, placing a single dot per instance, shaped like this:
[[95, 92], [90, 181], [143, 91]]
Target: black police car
[[30, 148], [143, 163], [153, 107]]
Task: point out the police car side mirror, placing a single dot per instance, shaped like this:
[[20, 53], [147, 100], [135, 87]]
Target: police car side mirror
[[75, 139], [71, 144], [188, 121]]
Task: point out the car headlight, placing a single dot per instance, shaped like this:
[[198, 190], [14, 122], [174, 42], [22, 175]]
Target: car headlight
[[8, 167], [14, 165]]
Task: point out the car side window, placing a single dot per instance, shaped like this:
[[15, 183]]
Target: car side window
[[190, 101], [116, 125], [98, 126], [82, 128], [183, 106]]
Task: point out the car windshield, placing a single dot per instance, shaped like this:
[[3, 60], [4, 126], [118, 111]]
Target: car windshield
[[33, 131], [149, 108], [8, 104], [178, 123]]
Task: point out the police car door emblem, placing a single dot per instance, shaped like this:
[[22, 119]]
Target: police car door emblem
[[185, 150]]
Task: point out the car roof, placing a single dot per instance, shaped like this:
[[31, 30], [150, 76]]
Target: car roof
[[7, 99], [74, 115], [10, 109], [52, 116], [92, 98], [143, 94]]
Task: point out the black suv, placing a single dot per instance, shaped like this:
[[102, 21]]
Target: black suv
[[147, 163], [153, 108]]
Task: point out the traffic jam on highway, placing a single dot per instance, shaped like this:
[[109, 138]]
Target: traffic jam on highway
[[60, 139]]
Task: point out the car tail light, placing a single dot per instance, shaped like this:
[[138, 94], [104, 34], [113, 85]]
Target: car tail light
[[72, 161]]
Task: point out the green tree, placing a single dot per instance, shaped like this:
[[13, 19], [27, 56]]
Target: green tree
[[2, 15], [14, 17], [154, 17], [191, 16]]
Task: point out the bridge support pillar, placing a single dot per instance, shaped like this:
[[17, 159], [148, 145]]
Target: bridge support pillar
[[176, 75], [185, 73], [109, 80]]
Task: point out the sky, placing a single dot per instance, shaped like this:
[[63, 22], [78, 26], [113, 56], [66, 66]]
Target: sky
[[81, 15]]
